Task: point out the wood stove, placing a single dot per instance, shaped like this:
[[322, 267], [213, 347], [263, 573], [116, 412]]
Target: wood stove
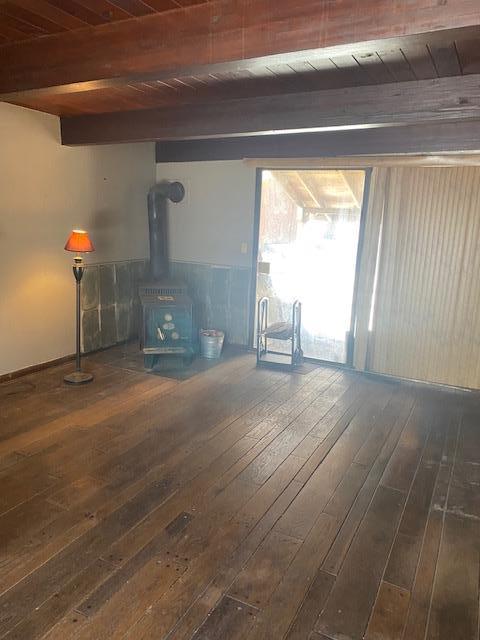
[[167, 310]]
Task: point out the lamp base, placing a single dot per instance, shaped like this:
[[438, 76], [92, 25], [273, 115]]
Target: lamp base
[[78, 377]]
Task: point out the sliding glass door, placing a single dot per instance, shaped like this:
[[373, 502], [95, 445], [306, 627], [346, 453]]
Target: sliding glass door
[[309, 230]]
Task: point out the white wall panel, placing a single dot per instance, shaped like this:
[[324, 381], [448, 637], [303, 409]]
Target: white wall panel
[[46, 190]]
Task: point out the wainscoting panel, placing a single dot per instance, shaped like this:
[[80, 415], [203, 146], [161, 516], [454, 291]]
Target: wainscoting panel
[[111, 309], [110, 303], [220, 297]]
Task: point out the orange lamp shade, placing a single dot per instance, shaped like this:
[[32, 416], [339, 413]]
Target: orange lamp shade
[[79, 242]]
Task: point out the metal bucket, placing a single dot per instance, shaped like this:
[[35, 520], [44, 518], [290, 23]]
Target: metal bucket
[[211, 343]]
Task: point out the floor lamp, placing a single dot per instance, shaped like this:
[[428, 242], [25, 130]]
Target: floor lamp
[[78, 242]]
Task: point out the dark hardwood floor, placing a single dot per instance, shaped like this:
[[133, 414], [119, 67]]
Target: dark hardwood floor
[[239, 504]]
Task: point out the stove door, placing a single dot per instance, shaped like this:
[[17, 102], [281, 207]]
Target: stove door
[[168, 329]]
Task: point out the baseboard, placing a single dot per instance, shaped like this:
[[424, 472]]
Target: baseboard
[[6, 377], [425, 384], [388, 378]]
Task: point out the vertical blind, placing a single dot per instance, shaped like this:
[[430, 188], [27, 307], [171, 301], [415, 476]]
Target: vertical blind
[[418, 289], [426, 316]]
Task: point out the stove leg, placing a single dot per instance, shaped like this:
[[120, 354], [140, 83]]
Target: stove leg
[[149, 362]]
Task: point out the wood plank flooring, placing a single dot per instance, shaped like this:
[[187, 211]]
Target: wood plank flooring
[[240, 504]]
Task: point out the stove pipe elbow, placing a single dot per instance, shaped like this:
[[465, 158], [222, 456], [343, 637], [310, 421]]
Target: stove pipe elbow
[[157, 199]]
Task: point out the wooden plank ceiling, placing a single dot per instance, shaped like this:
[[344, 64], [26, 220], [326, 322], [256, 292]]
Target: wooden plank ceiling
[[26, 19], [414, 62], [80, 57]]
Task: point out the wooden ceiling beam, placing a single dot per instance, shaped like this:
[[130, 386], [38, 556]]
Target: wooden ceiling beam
[[220, 35], [291, 150], [442, 99]]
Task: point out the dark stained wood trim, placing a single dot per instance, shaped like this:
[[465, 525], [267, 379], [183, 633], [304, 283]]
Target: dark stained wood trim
[[434, 40], [13, 375], [422, 138], [402, 103], [218, 32], [421, 384]]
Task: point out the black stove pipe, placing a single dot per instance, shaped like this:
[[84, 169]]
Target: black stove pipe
[[158, 224]]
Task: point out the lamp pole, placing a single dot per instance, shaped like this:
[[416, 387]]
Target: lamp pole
[[78, 273], [78, 242]]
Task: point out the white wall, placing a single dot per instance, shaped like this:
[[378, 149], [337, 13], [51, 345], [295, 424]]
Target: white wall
[[45, 191], [216, 217]]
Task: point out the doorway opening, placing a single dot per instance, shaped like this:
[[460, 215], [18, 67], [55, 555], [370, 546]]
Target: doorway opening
[[309, 232]]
